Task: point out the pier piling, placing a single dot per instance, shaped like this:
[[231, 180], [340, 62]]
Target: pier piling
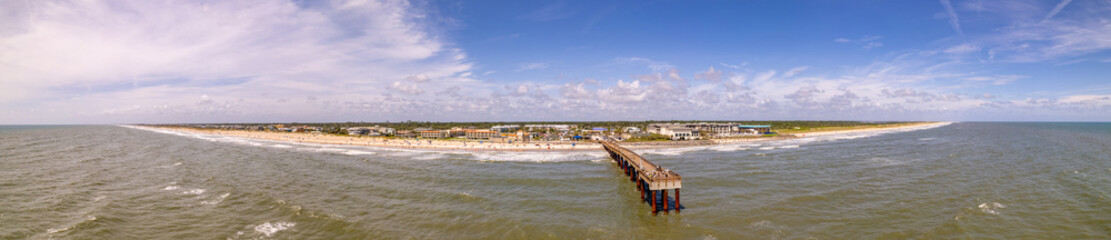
[[651, 179]]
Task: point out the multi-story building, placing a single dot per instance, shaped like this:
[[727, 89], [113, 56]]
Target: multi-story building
[[434, 134], [482, 134]]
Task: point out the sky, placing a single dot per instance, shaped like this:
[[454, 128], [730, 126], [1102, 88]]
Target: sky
[[162, 61]]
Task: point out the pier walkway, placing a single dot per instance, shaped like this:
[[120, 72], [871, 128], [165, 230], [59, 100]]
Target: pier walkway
[[652, 181]]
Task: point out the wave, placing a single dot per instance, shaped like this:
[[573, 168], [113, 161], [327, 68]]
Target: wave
[[89, 218], [195, 191], [217, 200], [269, 229], [991, 208]]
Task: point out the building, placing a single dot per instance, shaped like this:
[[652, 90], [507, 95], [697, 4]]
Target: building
[[405, 134], [719, 130], [358, 131], [525, 136], [632, 129], [557, 127], [482, 134], [372, 131], [434, 134], [681, 133], [755, 129], [505, 128]]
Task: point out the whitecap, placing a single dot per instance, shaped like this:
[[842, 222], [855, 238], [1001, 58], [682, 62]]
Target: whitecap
[[195, 191], [430, 156], [269, 229], [671, 151], [71, 226], [991, 208], [281, 146], [171, 188], [733, 147], [217, 200]]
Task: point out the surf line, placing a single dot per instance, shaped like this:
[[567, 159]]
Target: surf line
[[652, 180]]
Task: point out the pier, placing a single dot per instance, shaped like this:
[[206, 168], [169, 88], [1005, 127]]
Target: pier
[[652, 181]]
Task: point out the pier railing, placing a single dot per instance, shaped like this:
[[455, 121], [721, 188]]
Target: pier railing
[[652, 180]]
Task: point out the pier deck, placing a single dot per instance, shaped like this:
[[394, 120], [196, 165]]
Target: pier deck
[[651, 179]]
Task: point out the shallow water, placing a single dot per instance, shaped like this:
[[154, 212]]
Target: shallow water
[[965, 180]]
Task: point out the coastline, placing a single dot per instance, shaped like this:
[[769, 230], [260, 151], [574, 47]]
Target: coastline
[[536, 146]]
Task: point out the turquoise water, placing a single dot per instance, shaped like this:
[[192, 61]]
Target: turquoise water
[[964, 180]]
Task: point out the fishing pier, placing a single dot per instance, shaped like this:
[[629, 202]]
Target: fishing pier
[[652, 181]]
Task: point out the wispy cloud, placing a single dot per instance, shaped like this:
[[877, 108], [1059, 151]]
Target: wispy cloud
[[1057, 9], [656, 66], [866, 42], [795, 71], [954, 21], [962, 48], [531, 66], [997, 79]]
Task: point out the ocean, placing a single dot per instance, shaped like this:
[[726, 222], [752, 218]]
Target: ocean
[[967, 180]]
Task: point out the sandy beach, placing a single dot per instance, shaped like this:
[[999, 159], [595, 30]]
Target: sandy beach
[[476, 145]]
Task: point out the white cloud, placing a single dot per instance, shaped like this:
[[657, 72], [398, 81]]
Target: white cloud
[[711, 74], [575, 91], [795, 71], [997, 79], [419, 78], [408, 88], [83, 56], [623, 92], [143, 61], [1031, 37]]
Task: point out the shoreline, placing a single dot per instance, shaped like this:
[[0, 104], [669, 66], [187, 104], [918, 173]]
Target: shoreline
[[536, 146]]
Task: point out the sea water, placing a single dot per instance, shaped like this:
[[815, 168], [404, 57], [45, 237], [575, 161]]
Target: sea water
[[963, 180]]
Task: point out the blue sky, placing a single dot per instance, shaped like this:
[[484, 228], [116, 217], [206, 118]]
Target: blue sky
[[65, 62]]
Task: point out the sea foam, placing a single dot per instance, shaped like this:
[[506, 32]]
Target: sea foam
[[991, 208], [269, 229]]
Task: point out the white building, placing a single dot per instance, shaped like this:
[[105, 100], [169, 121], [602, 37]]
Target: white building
[[372, 131], [681, 133], [505, 128], [557, 127]]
